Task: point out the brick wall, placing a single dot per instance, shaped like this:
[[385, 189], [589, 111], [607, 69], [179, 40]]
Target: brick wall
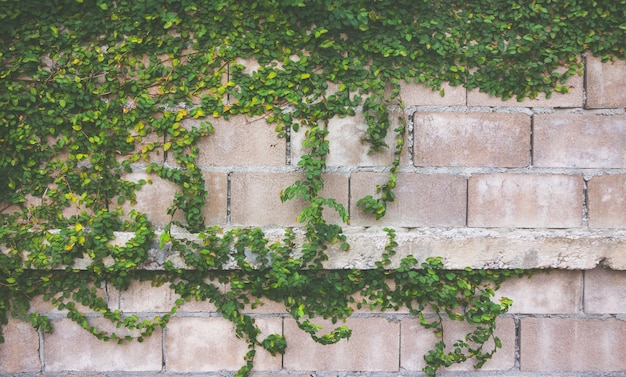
[[483, 183]]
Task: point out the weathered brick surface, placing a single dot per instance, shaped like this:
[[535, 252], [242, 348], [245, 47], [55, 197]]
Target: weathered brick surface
[[607, 201], [421, 199], [346, 145], [414, 94], [240, 141], [572, 99], [209, 344], [554, 292], [572, 344], [579, 140], [255, 198], [71, 348], [471, 139], [20, 351], [416, 341], [525, 201], [154, 198], [605, 291], [373, 346], [606, 83]]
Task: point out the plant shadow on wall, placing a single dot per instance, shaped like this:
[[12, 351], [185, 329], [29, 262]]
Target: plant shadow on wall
[[94, 90]]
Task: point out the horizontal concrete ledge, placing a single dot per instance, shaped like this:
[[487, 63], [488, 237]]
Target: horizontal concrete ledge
[[459, 247]]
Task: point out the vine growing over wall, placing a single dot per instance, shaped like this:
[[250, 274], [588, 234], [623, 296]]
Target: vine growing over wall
[[91, 89]]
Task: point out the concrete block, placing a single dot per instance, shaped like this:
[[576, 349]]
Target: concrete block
[[414, 94], [525, 201], [154, 198], [579, 141], [471, 139], [606, 196], [71, 348], [421, 200], [255, 198], [240, 141], [416, 341], [606, 83], [605, 291], [553, 292], [373, 346], [216, 208], [572, 344], [20, 351], [197, 344]]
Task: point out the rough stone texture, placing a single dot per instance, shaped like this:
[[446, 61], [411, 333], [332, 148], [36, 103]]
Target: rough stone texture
[[154, 198], [554, 292], [421, 200], [605, 292], [346, 145], [579, 141], [606, 196], [241, 141], [471, 139], [525, 201], [210, 344], [20, 351], [71, 348], [572, 99], [256, 198], [414, 94], [572, 344], [373, 346], [416, 341], [606, 83]]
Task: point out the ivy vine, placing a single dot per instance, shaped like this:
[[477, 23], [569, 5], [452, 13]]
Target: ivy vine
[[91, 89]]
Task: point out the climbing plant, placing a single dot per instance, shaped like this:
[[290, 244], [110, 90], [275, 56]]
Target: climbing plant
[[91, 90]]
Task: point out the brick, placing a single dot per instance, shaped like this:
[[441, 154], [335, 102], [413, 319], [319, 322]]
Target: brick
[[416, 341], [421, 200], [216, 207], [553, 292], [255, 198], [240, 141], [606, 197], [154, 198], [606, 83], [141, 296], [574, 98], [373, 346], [579, 141], [605, 291], [210, 344], [345, 142], [572, 344], [418, 94], [20, 351], [71, 348], [525, 201], [471, 139]]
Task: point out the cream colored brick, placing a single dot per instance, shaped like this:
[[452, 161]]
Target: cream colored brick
[[607, 201], [414, 94], [579, 141], [216, 207], [416, 341], [605, 291], [525, 201], [572, 344], [197, 344], [471, 139], [373, 346], [606, 83], [20, 351], [421, 200]]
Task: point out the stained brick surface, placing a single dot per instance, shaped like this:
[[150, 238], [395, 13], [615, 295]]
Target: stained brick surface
[[572, 344], [579, 140], [471, 139], [606, 83], [605, 291], [413, 94], [525, 201], [421, 199], [20, 351], [607, 201], [373, 346]]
